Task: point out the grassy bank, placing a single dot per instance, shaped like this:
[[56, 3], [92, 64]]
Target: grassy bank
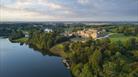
[[21, 40], [58, 50]]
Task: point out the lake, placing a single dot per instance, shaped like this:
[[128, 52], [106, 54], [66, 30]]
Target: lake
[[21, 61]]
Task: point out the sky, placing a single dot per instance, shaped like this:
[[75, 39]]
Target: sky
[[68, 10]]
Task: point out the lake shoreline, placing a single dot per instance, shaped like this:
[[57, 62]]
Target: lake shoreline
[[25, 54]]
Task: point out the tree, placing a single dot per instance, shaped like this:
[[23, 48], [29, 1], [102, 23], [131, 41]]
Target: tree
[[76, 70], [16, 34], [109, 69], [95, 60], [86, 72], [131, 44], [49, 43]]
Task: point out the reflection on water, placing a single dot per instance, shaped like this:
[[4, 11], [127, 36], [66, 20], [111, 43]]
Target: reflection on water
[[18, 60], [43, 52]]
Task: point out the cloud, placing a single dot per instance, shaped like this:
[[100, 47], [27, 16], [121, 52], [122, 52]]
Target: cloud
[[69, 10], [19, 14], [41, 9], [54, 6], [83, 1], [20, 4]]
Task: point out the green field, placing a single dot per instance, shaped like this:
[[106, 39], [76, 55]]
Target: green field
[[22, 40], [58, 50], [121, 37]]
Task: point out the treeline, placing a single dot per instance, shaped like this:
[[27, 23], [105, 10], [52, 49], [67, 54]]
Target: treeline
[[103, 58], [45, 40], [8, 29], [16, 35], [128, 30], [5, 32]]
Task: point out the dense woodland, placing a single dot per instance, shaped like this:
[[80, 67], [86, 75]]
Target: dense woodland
[[44, 40], [93, 58], [102, 58]]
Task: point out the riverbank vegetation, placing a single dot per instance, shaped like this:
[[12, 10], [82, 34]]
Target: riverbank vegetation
[[45, 40], [21, 40]]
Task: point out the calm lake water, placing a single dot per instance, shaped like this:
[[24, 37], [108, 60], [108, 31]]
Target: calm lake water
[[22, 61]]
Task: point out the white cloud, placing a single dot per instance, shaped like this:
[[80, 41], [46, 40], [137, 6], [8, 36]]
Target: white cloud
[[71, 9], [33, 10], [18, 14], [54, 6], [83, 1], [21, 4]]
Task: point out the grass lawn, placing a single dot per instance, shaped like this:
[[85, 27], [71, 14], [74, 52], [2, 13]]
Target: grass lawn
[[22, 40], [118, 36], [58, 50]]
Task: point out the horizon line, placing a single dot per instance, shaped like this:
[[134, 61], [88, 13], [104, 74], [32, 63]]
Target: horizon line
[[70, 21]]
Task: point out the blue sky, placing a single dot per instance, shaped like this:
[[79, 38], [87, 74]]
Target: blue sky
[[68, 10]]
